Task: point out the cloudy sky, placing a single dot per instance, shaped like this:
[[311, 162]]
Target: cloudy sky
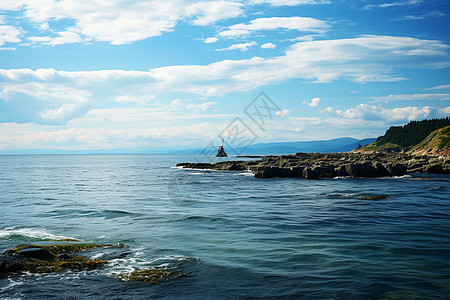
[[152, 74]]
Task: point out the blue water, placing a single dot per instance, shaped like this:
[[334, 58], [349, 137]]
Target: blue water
[[233, 235]]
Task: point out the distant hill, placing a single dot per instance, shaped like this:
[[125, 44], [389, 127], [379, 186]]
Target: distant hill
[[427, 136], [344, 144]]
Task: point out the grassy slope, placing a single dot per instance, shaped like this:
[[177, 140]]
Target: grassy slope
[[438, 140]]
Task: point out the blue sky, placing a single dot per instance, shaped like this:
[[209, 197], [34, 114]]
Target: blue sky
[[91, 74]]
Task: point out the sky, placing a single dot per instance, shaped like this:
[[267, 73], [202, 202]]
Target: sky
[[152, 74]]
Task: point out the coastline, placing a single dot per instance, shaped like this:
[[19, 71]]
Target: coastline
[[329, 165]]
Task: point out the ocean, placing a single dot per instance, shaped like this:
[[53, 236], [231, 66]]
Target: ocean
[[233, 236]]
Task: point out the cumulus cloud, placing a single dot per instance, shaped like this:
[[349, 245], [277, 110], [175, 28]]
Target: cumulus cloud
[[206, 13], [242, 47], [120, 22], [268, 46], [373, 113], [363, 59], [9, 34], [283, 112], [275, 23], [210, 40], [314, 102]]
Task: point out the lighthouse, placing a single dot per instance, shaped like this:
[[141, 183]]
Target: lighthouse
[[221, 151]]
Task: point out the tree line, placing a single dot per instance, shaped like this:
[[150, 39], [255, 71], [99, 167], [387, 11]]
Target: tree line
[[412, 133]]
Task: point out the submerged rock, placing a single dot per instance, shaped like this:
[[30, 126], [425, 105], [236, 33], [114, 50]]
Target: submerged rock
[[374, 197], [150, 275], [32, 258]]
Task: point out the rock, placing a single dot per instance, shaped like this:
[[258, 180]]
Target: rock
[[150, 275], [374, 197], [434, 168], [32, 258], [362, 170], [309, 173], [319, 165], [38, 253], [270, 172], [297, 171], [396, 169]]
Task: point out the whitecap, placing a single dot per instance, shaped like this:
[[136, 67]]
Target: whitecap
[[11, 284], [245, 173], [30, 232]]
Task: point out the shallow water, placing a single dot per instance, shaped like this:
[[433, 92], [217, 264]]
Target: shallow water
[[233, 235]]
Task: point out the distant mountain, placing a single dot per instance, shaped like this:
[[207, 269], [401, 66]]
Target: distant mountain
[[344, 144]]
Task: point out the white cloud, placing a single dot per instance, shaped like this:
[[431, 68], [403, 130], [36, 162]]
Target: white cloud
[[428, 15], [412, 97], [64, 37], [444, 111], [288, 2], [305, 38], [121, 22], [373, 113], [363, 59], [210, 40], [129, 98], [182, 105], [9, 34], [275, 23], [209, 12], [440, 87], [314, 102], [329, 110], [393, 4], [401, 3], [283, 112], [268, 46], [58, 114], [242, 47], [11, 4]]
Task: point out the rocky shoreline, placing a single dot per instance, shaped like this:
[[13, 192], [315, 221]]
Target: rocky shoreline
[[330, 165], [46, 259]]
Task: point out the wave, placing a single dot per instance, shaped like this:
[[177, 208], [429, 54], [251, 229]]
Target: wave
[[32, 234], [135, 260], [345, 195], [202, 218], [246, 173]]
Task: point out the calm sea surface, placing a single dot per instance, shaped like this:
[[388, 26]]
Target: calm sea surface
[[233, 235]]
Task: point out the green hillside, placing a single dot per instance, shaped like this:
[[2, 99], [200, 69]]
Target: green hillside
[[407, 136]]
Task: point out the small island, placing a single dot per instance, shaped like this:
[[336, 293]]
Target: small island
[[418, 147]]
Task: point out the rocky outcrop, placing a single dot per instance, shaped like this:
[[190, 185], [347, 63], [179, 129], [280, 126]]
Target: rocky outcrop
[[150, 275], [32, 258], [329, 165]]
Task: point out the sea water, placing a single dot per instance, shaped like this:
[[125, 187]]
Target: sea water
[[232, 235]]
